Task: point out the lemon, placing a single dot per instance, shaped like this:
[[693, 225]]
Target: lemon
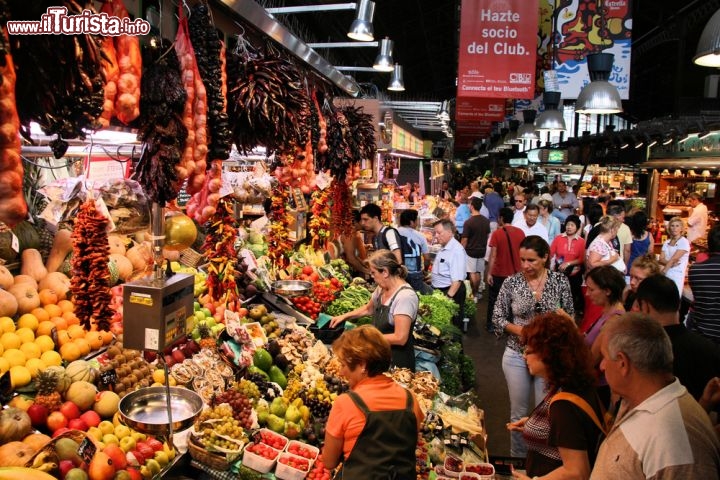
[[31, 350], [4, 365], [45, 343], [51, 357], [10, 340], [19, 376], [34, 366], [25, 334], [15, 357], [28, 320], [7, 324]]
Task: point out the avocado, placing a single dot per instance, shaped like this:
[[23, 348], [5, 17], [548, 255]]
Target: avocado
[[276, 375], [254, 369], [262, 359]]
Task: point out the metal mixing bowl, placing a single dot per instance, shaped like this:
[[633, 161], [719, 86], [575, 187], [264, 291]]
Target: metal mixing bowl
[[291, 288], [145, 409]]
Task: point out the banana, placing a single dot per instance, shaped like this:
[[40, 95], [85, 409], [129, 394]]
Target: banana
[[42, 458], [21, 473], [47, 467]]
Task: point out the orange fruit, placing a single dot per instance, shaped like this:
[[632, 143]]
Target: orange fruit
[[76, 331], [63, 337], [70, 351], [51, 357], [7, 324], [45, 328], [66, 305], [31, 350], [45, 342], [10, 340], [53, 310], [95, 339], [34, 366], [28, 320], [107, 337], [15, 356], [19, 376], [48, 297], [83, 345], [25, 334], [71, 318], [60, 323], [41, 314]]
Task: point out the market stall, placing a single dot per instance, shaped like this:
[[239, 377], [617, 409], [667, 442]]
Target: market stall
[[147, 325]]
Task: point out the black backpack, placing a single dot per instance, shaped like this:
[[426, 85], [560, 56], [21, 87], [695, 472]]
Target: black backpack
[[410, 250]]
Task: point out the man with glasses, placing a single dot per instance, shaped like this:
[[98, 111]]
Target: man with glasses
[[518, 206], [385, 237], [528, 223], [450, 266]]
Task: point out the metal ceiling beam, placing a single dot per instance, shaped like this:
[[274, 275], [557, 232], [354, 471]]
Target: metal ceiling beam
[[256, 15], [343, 44], [313, 8]]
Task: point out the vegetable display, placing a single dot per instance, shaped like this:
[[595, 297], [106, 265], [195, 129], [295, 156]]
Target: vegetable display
[[219, 250], [90, 279], [279, 244], [13, 208], [349, 299], [59, 77], [208, 52], [319, 224], [161, 125]]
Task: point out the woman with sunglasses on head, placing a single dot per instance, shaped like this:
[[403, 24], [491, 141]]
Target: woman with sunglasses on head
[[561, 432], [675, 253], [605, 286], [532, 291], [641, 268]]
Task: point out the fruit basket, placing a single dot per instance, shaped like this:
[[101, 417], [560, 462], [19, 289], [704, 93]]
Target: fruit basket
[[214, 460], [47, 458]]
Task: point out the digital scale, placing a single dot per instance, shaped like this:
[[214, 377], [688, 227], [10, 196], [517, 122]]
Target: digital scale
[[156, 311]]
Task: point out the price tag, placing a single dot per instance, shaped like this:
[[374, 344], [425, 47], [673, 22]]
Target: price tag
[[6, 390], [231, 316], [87, 450], [225, 189], [108, 378], [15, 243]]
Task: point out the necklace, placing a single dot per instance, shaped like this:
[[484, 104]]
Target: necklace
[[538, 283]]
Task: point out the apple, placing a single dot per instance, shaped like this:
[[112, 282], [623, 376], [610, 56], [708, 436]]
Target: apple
[[155, 444], [106, 427], [169, 360], [149, 355], [139, 437], [110, 438], [134, 474], [122, 431], [38, 414], [162, 458], [60, 431], [91, 418], [70, 410], [178, 356], [128, 443], [145, 450], [65, 466], [56, 420], [78, 424]]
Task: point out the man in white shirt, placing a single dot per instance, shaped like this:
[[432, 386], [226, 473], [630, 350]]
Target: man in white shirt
[[564, 201], [519, 207], [697, 223], [450, 267], [529, 224]]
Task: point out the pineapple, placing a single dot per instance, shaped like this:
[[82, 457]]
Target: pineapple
[[206, 337], [47, 391]]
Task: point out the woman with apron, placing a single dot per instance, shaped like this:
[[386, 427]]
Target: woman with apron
[[373, 428], [393, 306]]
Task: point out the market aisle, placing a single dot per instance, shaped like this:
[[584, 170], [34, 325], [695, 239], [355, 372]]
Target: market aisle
[[486, 350]]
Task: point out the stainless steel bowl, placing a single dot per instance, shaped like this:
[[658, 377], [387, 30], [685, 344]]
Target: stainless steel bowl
[[145, 409], [291, 288]]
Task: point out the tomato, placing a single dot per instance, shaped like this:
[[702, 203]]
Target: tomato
[[307, 270]]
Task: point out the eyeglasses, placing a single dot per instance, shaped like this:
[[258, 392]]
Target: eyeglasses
[[519, 201], [538, 307]]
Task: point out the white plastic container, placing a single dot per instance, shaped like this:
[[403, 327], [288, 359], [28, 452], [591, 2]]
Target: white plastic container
[[468, 470], [263, 432], [286, 472], [258, 462]]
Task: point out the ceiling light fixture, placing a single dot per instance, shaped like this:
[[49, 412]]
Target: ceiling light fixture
[[362, 28], [599, 96], [704, 134], [444, 113], [708, 49], [396, 80], [551, 118], [512, 137], [527, 131], [384, 61]]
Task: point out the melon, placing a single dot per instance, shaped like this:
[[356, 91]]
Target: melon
[[80, 370], [81, 394], [63, 379]]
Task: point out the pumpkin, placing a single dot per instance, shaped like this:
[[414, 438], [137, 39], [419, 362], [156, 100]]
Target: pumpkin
[[117, 243], [27, 297], [124, 266], [14, 425], [36, 441], [8, 304], [32, 264], [140, 256], [56, 281], [15, 454], [6, 278], [61, 247], [26, 279]]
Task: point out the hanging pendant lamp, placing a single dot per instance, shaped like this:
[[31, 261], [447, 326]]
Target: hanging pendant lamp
[[708, 49], [396, 80], [384, 61], [599, 96], [362, 27], [551, 118], [527, 131]]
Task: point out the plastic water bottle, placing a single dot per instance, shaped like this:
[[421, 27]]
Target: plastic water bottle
[[466, 321]]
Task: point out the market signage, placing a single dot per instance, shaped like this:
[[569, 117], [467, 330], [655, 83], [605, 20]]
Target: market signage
[[583, 28], [101, 168], [471, 110], [498, 46], [466, 134]]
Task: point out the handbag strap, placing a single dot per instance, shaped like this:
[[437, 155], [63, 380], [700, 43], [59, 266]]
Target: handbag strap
[[512, 256], [584, 406]]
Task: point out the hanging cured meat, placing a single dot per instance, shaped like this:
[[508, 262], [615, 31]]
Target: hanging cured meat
[[13, 208]]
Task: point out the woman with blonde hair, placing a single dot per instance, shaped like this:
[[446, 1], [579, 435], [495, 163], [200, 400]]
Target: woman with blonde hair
[[601, 252], [548, 220], [675, 253], [641, 268], [374, 426], [393, 306]]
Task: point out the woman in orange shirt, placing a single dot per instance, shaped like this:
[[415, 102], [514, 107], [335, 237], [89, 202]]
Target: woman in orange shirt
[[373, 427]]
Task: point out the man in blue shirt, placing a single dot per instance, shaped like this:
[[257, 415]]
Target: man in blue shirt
[[493, 202], [450, 266]]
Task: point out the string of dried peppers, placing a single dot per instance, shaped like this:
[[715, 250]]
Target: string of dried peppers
[[279, 243], [90, 279], [219, 250], [319, 225]]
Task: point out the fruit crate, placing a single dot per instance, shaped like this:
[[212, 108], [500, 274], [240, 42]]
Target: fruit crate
[[258, 462], [284, 471]]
